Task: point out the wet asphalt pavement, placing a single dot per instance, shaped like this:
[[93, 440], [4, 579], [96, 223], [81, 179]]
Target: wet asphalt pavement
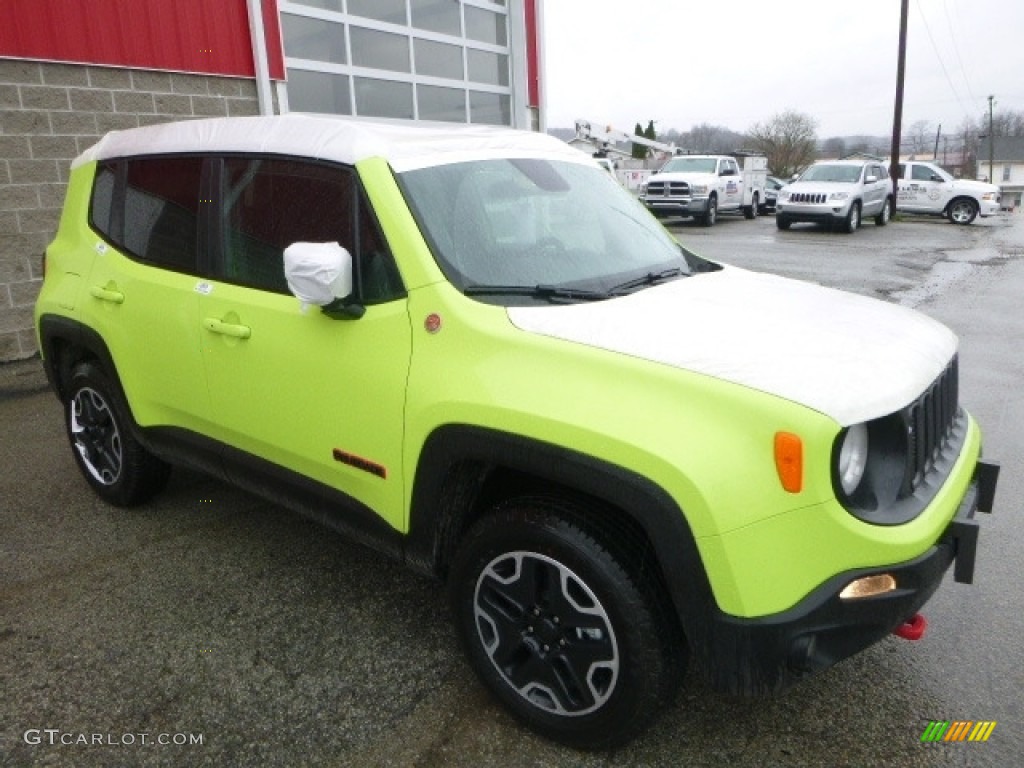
[[245, 636]]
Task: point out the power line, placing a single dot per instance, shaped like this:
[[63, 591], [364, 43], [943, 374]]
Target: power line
[[956, 50], [938, 55]]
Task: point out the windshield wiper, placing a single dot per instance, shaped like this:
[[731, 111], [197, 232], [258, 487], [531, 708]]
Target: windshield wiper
[[547, 292], [651, 278]]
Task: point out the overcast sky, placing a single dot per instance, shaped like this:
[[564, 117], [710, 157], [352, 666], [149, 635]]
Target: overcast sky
[[685, 62]]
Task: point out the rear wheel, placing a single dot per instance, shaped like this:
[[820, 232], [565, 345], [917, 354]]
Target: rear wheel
[[753, 209], [561, 631], [963, 210], [112, 461]]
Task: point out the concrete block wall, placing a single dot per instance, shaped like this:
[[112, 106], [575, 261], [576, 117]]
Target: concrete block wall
[[51, 112]]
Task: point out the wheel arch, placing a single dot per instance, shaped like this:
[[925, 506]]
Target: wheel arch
[[464, 470], [64, 343], [961, 198]]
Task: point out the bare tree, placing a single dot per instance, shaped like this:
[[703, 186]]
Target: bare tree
[[713, 139], [834, 147], [918, 138], [1005, 123], [788, 140]]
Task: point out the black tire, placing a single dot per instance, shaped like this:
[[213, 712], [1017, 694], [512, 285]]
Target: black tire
[[962, 211], [710, 216], [885, 214], [563, 634], [782, 223], [111, 460], [753, 209], [852, 222]]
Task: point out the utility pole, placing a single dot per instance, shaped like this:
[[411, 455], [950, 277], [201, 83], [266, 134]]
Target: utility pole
[[991, 141], [935, 154], [897, 118]]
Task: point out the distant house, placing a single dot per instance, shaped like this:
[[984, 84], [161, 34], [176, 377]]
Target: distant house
[[1007, 167]]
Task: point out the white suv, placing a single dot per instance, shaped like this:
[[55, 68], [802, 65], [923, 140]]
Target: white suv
[[839, 192]]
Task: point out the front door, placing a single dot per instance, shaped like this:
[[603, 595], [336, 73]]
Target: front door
[[322, 397], [919, 190]]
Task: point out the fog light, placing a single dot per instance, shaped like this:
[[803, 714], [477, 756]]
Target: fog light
[[869, 586]]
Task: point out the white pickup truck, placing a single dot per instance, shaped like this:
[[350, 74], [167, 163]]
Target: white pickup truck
[[926, 188], [703, 186]]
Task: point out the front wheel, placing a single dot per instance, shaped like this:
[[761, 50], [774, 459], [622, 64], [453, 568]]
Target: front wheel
[[711, 214], [562, 632], [852, 222], [782, 223], [112, 461], [885, 214], [963, 211]]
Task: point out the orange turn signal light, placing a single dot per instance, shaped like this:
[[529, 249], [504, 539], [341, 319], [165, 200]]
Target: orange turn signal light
[[789, 461]]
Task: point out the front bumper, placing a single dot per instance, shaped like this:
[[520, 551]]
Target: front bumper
[[677, 206], [823, 213], [989, 208], [768, 654]]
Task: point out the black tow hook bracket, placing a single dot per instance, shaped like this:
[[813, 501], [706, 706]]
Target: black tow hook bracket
[[986, 473]]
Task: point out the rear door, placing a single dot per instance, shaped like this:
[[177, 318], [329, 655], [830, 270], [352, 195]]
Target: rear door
[[141, 295], [321, 397]]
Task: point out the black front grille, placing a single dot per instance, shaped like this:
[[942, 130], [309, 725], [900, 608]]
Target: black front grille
[[929, 423], [668, 189], [807, 197]]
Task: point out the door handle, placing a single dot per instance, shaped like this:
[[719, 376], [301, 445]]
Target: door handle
[[233, 330], [108, 292]]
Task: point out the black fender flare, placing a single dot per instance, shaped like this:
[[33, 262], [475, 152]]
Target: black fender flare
[[57, 329], [457, 458]]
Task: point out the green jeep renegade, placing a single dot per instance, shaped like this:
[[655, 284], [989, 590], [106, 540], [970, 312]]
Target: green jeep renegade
[[469, 348]]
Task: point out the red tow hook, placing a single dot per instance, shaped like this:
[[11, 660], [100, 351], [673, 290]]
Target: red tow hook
[[913, 628]]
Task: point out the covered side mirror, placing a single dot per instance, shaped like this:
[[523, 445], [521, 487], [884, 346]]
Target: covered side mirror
[[321, 274]]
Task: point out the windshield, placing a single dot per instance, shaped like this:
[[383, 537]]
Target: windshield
[[690, 165], [507, 224], [849, 174]]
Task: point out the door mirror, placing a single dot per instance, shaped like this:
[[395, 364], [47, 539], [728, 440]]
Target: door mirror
[[321, 274]]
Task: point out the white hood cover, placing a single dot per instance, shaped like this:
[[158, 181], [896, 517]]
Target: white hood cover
[[847, 356]]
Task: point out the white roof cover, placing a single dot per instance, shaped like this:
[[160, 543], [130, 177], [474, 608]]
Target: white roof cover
[[844, 355], [406, 146]]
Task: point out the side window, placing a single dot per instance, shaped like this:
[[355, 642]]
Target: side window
[[103, 199], [148, 207], [270, 203], [903, 171], [161, 206], [922, 173]]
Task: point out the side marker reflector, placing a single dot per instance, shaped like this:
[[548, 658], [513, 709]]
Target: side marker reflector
[[789, 461]]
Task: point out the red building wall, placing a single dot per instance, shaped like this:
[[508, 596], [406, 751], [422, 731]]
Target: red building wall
[[201, 36]]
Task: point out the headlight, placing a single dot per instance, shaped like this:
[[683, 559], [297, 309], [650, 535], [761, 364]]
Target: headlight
[[698, 189], [989, 196], [643, 188], [783, 195], [853, 457], [839, 196]]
